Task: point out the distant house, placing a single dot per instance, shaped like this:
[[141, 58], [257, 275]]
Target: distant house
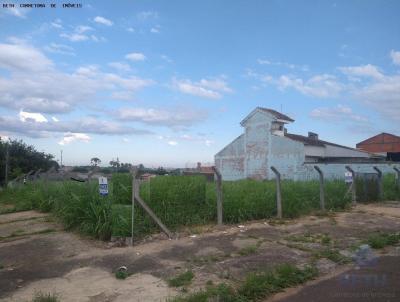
[[147, 176], [206, 171], [266, 142], [385, 144]]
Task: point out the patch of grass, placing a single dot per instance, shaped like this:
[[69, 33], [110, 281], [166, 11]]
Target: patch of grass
[[256, 286], [183, 279], [248, 250], [45, 297], [310, 238], [19, 233], [121, 274], [380, 240], [1, 266], [333, 255], [201, 260]]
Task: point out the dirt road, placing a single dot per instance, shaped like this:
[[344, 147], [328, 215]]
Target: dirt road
[[36, 254]]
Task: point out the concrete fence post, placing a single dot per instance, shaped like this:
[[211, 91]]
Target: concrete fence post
[[134, 173], [353, 186], [278, 192], [398, 176], [218, 179], [380, 182], [321, 188]]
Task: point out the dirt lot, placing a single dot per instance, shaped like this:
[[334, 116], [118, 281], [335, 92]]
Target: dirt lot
[[36, 254]]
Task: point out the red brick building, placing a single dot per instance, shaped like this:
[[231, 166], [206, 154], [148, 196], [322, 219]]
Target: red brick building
[[385, 143]]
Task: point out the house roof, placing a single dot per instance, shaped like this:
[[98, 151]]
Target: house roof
[[274, 113], [382, 135], [277, 114], [317, 142]]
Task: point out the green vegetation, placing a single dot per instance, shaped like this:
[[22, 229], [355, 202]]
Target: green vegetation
[[22, 159], [256, 286], [1, 266], [311, 238], [45, 297], [182, 279], [380, 240], [121, 274], [333, 255], [179, 201]]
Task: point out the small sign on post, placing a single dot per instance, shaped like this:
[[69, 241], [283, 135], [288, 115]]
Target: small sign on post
[[103, 186], [348, 177]]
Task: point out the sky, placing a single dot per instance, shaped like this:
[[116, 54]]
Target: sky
[[166, 83]]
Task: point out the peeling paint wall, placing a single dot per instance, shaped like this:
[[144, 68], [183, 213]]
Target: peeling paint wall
[[257, 137], [230, 160], [286, 155]]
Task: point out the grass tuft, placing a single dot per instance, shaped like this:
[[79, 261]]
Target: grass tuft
[[256, 286], [380, 240], [45, 297], [183, 279]]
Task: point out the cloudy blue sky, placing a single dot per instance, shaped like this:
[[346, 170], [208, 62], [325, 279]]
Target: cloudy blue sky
[[167, 82]]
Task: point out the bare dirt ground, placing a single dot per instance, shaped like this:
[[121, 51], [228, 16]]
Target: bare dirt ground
[[37, 255]]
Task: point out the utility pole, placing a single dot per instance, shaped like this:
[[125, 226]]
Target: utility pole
[[7, 160]]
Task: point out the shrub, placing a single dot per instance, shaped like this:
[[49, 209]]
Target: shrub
[[182, 279]]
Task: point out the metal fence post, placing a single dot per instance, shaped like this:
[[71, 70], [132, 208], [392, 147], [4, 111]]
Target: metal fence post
[[380, 182], [353, 186], [278, 192], [218, 178], [321, 188], [398, 176]]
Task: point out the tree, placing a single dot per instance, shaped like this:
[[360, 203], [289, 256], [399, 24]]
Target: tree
[[95, 161], [22, 159]]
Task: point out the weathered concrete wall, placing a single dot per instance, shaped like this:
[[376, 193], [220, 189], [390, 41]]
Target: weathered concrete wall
[[230, 160], [257, 143], [286, 155], [336, 171]]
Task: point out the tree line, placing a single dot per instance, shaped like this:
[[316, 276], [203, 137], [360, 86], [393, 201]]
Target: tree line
[[22, 158]]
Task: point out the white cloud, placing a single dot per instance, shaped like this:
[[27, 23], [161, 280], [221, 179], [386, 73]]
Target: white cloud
[[123, 95], [362, 71], [21, 57], [178, 118], [120, 66], [81, 33], [57, 24], [166, 58], [155, 30], [282, 64], [72, 137], [172, 143], [74, 37], [340, 113], [30, 72], [145, 15], [55, 119], [135, 56], [16, 11], [80, 29], [320, 86], [60, 49], [207, 88], [102, 20], [32, 116], [31, 126], [382, 95], [130, 29], [395, 55]]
